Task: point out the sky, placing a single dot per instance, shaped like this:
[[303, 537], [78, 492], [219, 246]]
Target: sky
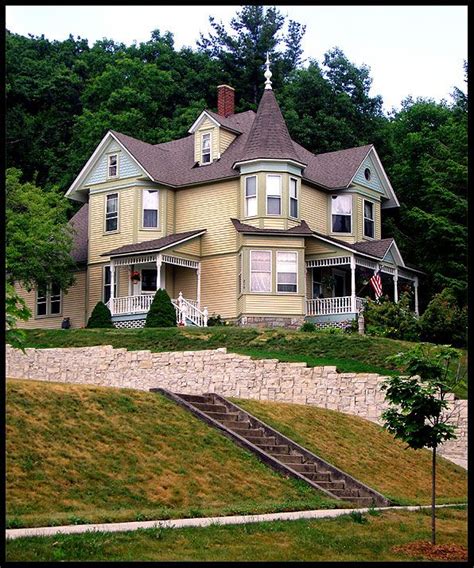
[[411, 50]]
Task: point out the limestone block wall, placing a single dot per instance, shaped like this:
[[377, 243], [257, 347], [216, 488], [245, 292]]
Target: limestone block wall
[[227, 374]]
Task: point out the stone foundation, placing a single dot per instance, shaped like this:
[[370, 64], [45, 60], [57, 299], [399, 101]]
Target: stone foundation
[[290, 322], [227, 374]]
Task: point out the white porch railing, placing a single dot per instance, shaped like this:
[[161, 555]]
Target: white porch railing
[[187, 310], [332, 306], [130, 304]]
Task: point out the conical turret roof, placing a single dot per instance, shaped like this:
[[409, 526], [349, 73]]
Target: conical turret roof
[[269, 137]]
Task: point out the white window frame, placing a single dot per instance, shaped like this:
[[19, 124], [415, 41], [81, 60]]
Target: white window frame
[[116, 165], [48, 300], [107, 195], [271, 272], [364, 218], [296, 198], [152, 268], [246, 198], [104, 269], [154, 228], [240, 275], [277, 273], [267, 195], [351, 232], [203, 134]]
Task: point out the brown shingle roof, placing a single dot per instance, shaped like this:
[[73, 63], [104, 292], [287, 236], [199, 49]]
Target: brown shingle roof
[[155, 244], [299, 230], [269, 136], [375, 248], [79, 222]]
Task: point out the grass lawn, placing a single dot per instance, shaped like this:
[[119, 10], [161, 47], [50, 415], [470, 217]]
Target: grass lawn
[[348, 352], [78, 454], [366, 451], [348, 538]]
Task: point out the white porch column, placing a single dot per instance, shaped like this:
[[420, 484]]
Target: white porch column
[[198, 291], [112, 285], [159, 262], [395, 286], [353, 285], [415, 284]]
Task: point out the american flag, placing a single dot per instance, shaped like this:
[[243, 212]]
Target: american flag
[[376, 283]]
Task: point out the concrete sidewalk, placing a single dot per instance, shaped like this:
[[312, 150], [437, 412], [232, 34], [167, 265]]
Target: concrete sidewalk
[[202, 522]]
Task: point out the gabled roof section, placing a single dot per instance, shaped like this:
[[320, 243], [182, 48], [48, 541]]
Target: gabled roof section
[[300, 230], [269, 137], [79, 222], [217, 119], [75, 192], [156, 245]]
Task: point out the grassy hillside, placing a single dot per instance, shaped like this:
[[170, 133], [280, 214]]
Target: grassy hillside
[[80, 454], [364, 450], [348, 352]]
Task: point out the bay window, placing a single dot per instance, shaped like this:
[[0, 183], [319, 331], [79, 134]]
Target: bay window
[[260, 271], [273, 195], [150, 209], [341, 212], [287, 271], [251, 196], [293, 197]]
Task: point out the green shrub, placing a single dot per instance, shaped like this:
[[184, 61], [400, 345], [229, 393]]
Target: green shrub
[[389, 319], [100, 317], [215, 320], [162, 313], [444, 321], [308, 326]]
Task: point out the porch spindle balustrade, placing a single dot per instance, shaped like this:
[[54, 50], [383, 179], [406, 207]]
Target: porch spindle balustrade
[[332, 306]]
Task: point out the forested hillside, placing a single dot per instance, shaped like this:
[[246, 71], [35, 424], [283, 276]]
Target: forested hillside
[[63, 96]]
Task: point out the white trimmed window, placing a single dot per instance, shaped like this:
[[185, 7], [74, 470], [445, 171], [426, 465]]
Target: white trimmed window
[[108, 284], [341, 211], [111, 212], [241, 274], [287, 271], [48, 301], [273, 195], [293, 197], [251, 196], [206, 148], [150, 208], [369, 224], [260, 271], [112, 165]]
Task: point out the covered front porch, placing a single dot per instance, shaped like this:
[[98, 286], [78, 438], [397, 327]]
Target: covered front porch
[[339, 286], [144, 274]]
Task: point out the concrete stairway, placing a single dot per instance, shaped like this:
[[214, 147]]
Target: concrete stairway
[[275, 449]]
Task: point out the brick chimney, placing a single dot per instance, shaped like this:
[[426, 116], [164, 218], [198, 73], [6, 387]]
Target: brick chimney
[[225, 100]]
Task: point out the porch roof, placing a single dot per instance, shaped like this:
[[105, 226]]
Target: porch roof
[[155, 245], [300, 230]]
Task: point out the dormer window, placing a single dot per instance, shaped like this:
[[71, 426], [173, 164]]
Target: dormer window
[[112, 165], [206, 148]]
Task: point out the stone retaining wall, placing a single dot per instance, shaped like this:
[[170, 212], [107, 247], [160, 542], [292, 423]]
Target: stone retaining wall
[[225, 373]]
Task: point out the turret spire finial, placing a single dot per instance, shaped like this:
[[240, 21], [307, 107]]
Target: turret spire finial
[[268, 74]]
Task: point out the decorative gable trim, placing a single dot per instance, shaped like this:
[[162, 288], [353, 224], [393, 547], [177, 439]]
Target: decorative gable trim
[[199, 119], [392, 200], [396, 254], [74, 192]]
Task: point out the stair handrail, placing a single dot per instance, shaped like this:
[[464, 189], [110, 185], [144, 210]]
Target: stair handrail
[[189, 311]]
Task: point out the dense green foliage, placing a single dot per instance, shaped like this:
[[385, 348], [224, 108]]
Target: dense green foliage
[[443, 321], [100, 317], [389, 319], [162, 312], [63, 96]]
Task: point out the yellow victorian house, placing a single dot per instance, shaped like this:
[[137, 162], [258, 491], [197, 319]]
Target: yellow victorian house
[[235, 219]]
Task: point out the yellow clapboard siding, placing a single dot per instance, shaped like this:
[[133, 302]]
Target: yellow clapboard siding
[[225, 139], [209, 207], [190, 248], [314, 208], [378, 220], [273, 242], [170, 211], [274, 223], [100, 242], [95, 279], [185, 281], [219, 285], [72, 306], [313, 246], [262, 304]]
